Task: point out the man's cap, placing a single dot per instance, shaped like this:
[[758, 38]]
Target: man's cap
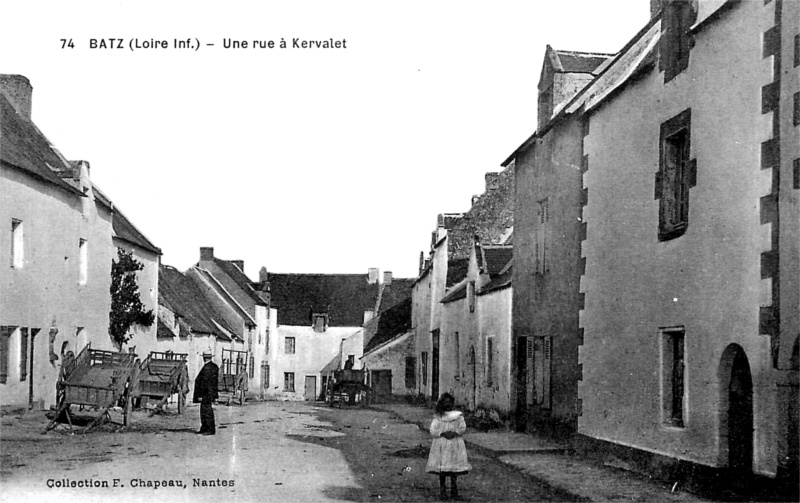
[[206, 355]]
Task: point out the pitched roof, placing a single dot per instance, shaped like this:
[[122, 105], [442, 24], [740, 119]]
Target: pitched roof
[[395, 292], [162, 330], [499, 282], [241, 279], [125, 230], [458, 293], [23, 146], [185, 299], [344, 297], [496, 257], [229, 299], [392, 323]]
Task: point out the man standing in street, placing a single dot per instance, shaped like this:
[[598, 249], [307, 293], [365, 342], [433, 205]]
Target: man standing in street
[[205, 392]]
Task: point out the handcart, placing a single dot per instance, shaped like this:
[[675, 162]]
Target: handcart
[[347, 387], [233, 376], [98, 379], [162, 375]]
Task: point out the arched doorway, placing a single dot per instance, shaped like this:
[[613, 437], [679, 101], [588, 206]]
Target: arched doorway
[[473, 385], [736, 413]]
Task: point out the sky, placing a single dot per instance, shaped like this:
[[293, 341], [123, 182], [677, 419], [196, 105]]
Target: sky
[[300, 160]]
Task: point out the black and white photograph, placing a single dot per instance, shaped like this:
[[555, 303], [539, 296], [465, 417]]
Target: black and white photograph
[[347, 250]]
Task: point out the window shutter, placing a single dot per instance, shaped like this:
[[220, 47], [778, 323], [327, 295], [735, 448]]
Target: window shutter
[[548, 357], [23, 354], [528, 381], [5, 335]]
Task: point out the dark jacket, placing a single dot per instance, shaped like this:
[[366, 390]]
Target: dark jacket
[[206, 382]]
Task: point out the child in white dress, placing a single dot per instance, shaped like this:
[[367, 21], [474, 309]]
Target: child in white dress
[[448, 456]]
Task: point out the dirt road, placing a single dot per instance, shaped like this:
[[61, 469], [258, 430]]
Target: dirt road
[[271, 451]]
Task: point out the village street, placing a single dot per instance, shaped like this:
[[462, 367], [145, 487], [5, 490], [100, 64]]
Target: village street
[[268, 451]]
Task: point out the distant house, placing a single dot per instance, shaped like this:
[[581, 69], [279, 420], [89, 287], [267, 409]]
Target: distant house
[[188, 322], [61, 238], [315, 314], [490, 220], [254, 299], [389, 353], [476, 332]]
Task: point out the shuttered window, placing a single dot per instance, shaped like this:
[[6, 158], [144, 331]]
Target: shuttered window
[[543, 214], [677, 174], [411, 372]]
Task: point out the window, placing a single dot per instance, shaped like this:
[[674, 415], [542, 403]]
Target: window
[[351, 361], [17, 250], [5, 336], [490, 361], [424, 368], [676, 41], [252, 367], [23, 353], [672, 376], [471, 296], [320, 322], [288, 381], [542, 362], [411, 372], [543, 214], [83, 258], [676, 175], [289, 346]]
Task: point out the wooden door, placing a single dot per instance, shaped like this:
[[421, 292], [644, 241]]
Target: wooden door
[[310, 391]]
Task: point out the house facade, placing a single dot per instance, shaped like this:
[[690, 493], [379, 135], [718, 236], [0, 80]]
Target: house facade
[[188, 322], [315, 314], [476, 332], [490, 220], [690, 314], [56, 256], [252, 297], [548, 233]]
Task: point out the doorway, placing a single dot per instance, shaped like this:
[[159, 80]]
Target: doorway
[[473, 385], [310, 390], [736, 411], [522, 354]]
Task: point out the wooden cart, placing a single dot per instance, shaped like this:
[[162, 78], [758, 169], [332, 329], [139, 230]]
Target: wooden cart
[[162, 375], [233, 376], [98, 379], [347, 387]]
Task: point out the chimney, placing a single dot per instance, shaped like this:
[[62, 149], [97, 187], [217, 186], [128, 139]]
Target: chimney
[[263, 277], [387, 277], [372, 276], [206, 253], [19, 91], [421, 262], [492, 181], [239, 264]]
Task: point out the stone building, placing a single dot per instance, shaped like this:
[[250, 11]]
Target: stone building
[[688, 300], [62, 234], [314, 313]]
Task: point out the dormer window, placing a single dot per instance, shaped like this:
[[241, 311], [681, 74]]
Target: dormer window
[[320, 322], [676, 41]]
